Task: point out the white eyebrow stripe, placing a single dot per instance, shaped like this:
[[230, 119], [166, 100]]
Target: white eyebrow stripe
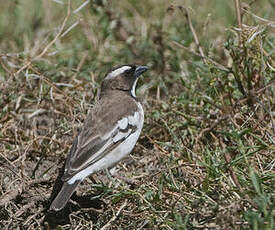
[[117, 72]]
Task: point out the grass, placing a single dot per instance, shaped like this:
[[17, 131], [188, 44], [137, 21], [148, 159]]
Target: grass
[[205, 159]]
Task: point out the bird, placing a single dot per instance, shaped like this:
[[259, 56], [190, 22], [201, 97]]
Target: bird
[[109, 133]]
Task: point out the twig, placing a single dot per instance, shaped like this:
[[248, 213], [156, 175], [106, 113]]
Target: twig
[[5, 67], [70, 99], [228, 159], [81, 6], [115, 216], [245, 98], [227, 115], [238, 12], [80, 64], [52, 42], [207, 130], [193, 31], [217, 65], [156, 145], [8, 196], [269, 22]]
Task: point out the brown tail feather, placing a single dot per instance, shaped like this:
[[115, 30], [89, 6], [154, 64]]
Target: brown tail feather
[[64, 195]]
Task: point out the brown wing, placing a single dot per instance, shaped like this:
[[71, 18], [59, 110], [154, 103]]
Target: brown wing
[[96, 138]]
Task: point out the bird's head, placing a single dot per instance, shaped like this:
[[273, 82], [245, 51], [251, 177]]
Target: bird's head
[[123, 78]]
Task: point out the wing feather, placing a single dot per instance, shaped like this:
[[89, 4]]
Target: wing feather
[[96, 148]]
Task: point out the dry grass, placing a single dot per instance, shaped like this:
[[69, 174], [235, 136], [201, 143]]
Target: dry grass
[[205, 159]]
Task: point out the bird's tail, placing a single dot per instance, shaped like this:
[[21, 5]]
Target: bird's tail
[[64, 195]]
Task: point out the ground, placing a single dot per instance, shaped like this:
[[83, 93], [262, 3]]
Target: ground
[[205, 158]]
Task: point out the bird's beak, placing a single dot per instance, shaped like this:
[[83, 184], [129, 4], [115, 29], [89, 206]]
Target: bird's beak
[[140, 70]]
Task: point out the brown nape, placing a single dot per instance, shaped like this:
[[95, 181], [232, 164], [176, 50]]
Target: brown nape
[[119, 83]]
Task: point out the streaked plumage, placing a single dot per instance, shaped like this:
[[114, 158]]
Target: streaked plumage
[[109, 133]]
